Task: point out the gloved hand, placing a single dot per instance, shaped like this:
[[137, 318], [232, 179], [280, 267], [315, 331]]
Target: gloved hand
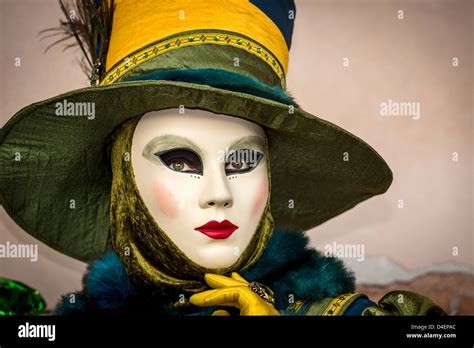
[[233, 292]]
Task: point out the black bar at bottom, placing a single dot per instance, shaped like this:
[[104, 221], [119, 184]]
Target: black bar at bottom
[[288, 330]]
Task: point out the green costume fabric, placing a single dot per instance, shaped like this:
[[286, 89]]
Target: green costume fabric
[[398, 302], [404, 303], [150, 257]]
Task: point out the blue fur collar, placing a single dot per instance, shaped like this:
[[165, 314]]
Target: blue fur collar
[[288, 266]]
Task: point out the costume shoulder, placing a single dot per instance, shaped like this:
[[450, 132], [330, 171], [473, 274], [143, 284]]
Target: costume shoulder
[[396, 303], [404, 303]]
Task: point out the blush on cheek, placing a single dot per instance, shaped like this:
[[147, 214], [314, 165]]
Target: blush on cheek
[[260, 198], [166, 200]]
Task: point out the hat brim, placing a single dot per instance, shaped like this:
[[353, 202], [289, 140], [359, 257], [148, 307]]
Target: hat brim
[[55, 178]]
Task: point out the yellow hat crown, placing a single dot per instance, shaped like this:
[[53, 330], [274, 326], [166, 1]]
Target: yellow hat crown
[[147, 29]]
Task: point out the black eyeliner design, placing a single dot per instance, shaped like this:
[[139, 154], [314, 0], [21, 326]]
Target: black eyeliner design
[[187, 157]]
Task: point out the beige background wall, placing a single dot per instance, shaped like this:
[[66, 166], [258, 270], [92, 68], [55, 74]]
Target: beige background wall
[[405, 60]]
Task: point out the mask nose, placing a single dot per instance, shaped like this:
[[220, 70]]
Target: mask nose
[[215, 192]]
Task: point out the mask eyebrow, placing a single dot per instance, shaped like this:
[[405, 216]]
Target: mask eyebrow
[[168, 142], [253, 142]]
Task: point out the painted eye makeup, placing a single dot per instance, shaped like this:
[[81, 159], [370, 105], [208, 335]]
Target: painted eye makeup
[[181, 160], [242, 161]]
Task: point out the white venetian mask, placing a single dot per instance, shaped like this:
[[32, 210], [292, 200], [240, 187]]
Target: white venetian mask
[[203, 177]]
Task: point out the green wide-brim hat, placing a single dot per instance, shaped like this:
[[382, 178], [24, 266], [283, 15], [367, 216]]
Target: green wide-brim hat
[[55, 176]]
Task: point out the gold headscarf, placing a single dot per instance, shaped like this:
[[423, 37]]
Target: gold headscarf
[[149, 255]]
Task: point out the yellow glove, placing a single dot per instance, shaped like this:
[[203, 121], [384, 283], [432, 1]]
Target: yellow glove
[[233, 292]]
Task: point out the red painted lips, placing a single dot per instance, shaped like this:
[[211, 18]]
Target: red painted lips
[[217, 230]]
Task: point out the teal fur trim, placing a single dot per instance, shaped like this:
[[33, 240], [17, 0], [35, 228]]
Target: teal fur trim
[[221, 79]]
